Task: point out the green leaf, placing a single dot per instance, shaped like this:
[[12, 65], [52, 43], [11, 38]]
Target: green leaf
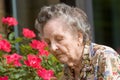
[[11, 36]]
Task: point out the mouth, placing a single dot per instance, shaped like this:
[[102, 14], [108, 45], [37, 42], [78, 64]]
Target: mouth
[[62, 57], [58, 56], [57, 53]]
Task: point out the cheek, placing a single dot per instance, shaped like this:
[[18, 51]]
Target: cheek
[[63, 48], [68, 50], [72, 48]]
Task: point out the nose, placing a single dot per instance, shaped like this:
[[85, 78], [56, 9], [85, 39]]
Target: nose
[[53, 46]]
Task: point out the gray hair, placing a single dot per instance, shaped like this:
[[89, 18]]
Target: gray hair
[[73, 16]]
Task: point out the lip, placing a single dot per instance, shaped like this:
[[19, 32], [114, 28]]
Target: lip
[[60, 56], [58, 53]]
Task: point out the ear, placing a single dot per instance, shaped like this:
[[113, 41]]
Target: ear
[[80, 37]]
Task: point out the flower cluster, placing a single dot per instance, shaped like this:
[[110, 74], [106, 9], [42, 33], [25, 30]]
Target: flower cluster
[[4, 78], [33, 61], [5, 45], [28, 33], [13, 59], [10, 21]]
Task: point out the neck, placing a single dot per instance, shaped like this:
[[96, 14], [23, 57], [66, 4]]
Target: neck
[[77, 65]]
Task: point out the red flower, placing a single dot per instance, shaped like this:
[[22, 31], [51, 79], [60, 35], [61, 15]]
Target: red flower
[[4, 78], [28, 33], [43, 52], [10, 21], [13, 59], [45, 74], [5, 45], [39, 45], [33, 61]]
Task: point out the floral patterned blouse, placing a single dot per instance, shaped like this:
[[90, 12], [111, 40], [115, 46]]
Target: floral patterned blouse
[[99, 62]]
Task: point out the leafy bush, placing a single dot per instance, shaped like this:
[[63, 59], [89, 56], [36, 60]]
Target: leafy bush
[[31, 61]]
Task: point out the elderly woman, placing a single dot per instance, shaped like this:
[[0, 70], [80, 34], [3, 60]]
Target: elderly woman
[[67, 32]]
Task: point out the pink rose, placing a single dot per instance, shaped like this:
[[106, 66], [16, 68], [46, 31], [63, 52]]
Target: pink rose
[[5, 45], [43, 52], [10, 21], [13, 59], [39, 45], [4, 78], [45, 74], [28, 33], [33, 61]]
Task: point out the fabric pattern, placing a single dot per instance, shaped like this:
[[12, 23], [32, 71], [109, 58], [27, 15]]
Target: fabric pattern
[[99, 62]]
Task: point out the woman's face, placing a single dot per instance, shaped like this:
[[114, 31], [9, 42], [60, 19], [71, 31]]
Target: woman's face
[[62, 44]]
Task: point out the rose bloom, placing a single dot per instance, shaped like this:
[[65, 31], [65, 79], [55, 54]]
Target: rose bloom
[[4, 78], [5, 45], [39, 45], [28, 33], [13, 59], [45, 74], [43, 52], [10, 21], [33, 61]]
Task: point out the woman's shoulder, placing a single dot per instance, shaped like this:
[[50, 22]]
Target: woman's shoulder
[[108, 61], [103, 49]]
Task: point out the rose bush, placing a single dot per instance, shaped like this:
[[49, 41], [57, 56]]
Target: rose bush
[[31, 62]]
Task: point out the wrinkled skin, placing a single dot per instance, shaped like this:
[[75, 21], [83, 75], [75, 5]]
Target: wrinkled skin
[[66, 47]]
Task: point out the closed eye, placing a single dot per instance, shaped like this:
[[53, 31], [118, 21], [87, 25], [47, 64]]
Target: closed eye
[[59, 38]]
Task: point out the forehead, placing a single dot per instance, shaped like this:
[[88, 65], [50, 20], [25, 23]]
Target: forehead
[[55, 26]]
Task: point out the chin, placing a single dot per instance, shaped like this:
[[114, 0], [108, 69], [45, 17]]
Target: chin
[[63, 60]]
